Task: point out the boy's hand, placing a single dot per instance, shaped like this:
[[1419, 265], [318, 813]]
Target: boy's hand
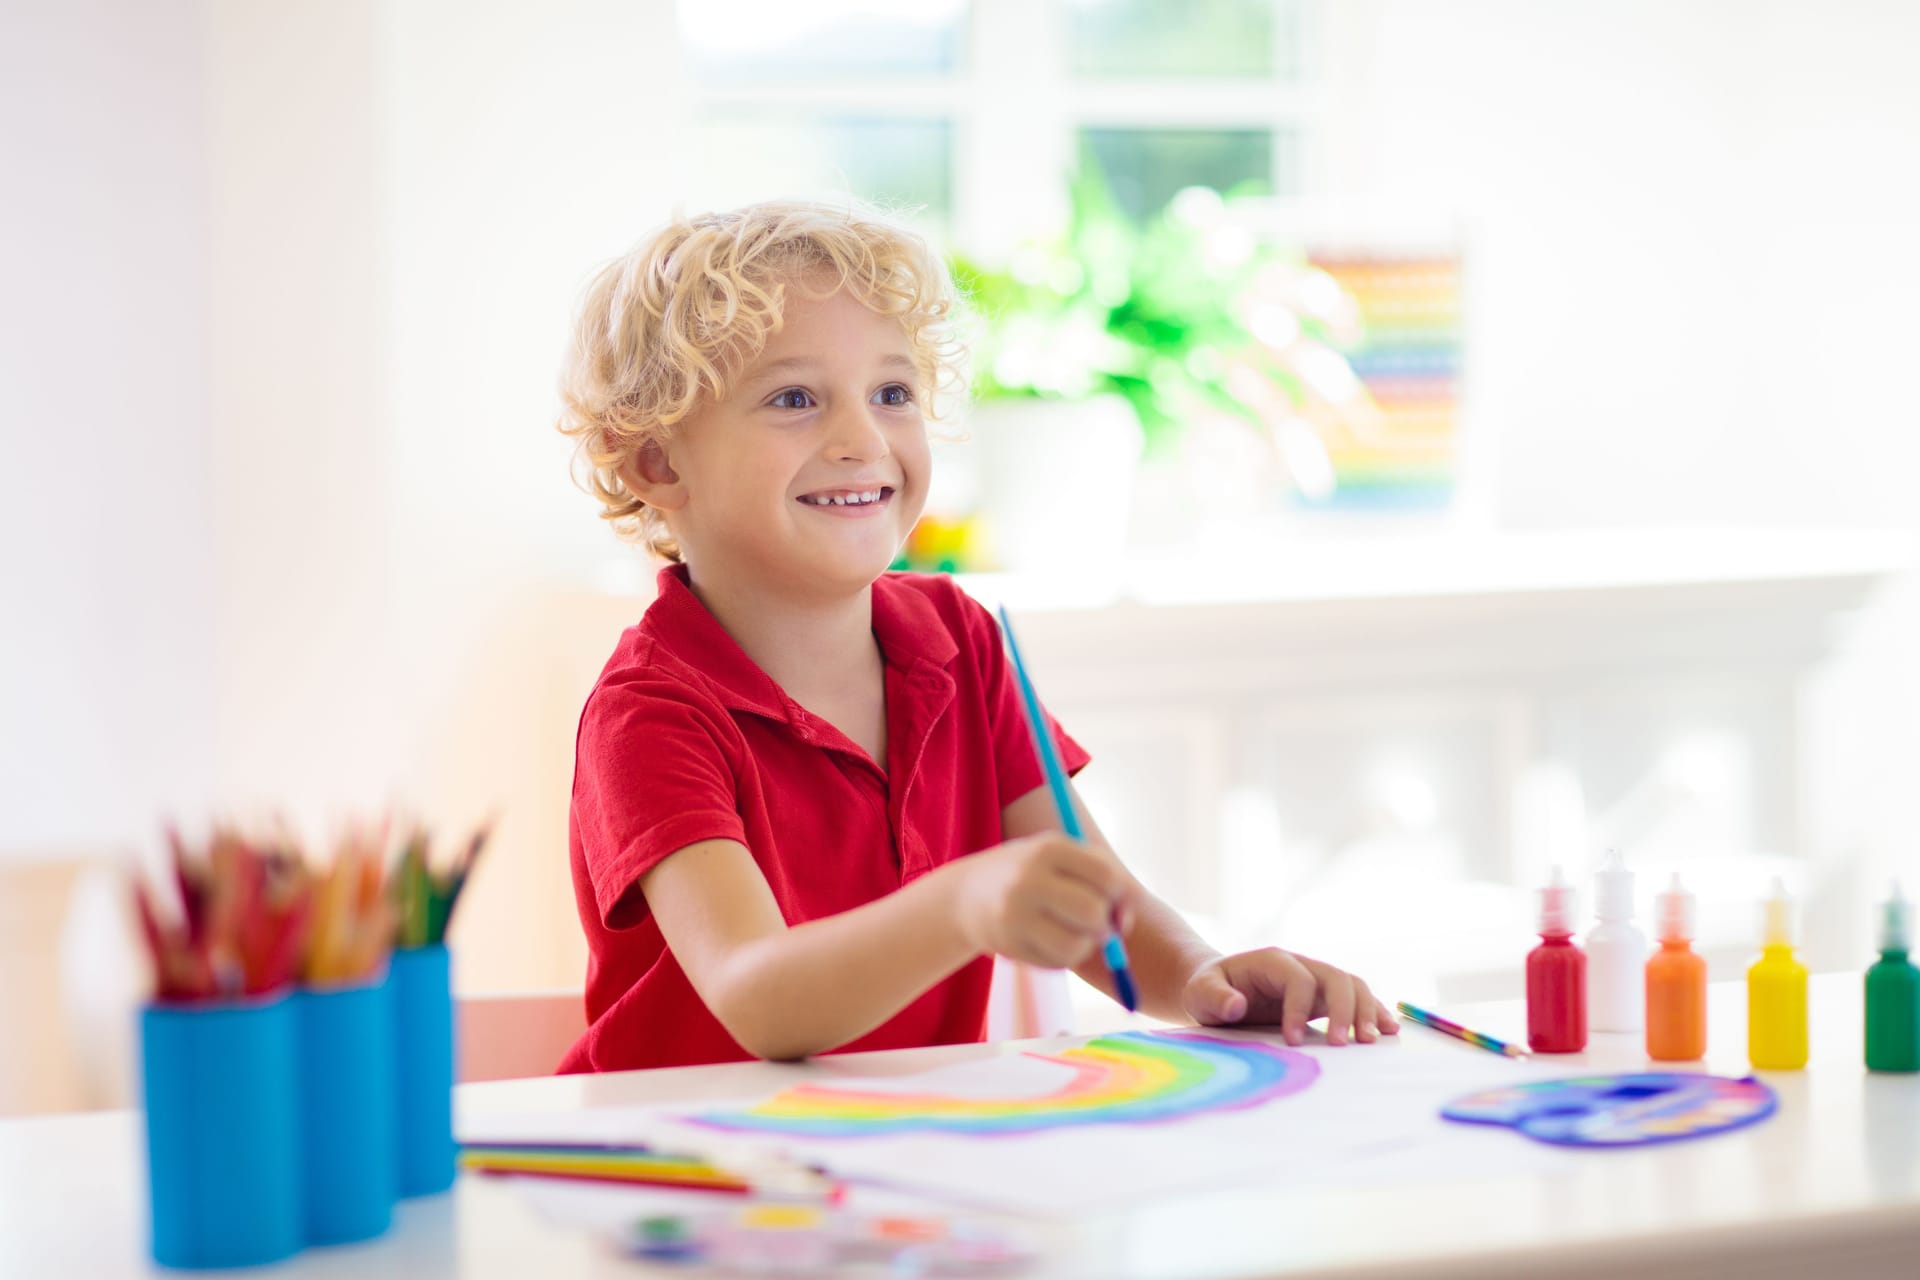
[[1042, 899], [1272, 987]]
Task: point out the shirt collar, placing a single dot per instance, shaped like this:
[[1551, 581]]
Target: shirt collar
[[909, 629]]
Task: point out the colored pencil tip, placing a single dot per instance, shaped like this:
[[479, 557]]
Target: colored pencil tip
[[1123, 988]]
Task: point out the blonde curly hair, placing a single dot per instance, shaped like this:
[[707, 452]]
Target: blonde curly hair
[[682, 314]]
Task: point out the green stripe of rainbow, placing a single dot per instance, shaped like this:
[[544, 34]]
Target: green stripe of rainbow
[[1135, 1077]]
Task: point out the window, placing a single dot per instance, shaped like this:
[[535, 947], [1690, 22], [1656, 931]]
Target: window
[[974, 112]]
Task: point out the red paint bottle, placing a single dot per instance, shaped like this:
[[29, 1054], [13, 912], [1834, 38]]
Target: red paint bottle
[[1556, 977]]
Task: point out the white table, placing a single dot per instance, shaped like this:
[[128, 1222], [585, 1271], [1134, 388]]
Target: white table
[[1829, 1187]]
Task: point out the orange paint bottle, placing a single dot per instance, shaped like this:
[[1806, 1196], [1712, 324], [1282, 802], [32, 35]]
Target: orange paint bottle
[[1676, 983]]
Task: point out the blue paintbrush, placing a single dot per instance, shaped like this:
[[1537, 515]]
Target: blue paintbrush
[[1114, 951]]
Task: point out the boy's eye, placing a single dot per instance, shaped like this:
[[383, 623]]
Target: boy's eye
[[895, 394], [791, 398]]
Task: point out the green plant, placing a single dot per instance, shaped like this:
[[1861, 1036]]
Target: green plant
[[1188, 314]]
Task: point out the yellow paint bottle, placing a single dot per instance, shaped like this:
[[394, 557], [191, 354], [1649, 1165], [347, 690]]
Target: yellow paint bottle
[[1777, 993]]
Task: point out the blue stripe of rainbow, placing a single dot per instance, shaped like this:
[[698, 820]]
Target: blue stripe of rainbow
[[1135, 1077]]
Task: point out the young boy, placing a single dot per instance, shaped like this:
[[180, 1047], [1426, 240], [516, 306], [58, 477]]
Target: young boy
[[806, 809]]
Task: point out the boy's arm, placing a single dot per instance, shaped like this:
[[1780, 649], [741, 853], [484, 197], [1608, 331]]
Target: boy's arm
[[785, 992], [1182, 979]]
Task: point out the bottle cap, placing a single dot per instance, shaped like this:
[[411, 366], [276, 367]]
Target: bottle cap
[[1613, 888], [1896, 921], [1674, 909], [1556, 905], [1778, 926]]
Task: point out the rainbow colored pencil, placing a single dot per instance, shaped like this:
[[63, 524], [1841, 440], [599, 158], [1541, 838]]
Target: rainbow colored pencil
[[641, 1166], [1458, 1032]]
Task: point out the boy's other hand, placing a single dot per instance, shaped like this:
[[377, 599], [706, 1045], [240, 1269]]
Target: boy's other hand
[[1271, 987], [1043, 899]]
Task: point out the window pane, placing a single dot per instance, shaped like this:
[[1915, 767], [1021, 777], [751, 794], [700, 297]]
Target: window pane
[[1144, 168], [822, 39], [1124, 38], [895, 161]]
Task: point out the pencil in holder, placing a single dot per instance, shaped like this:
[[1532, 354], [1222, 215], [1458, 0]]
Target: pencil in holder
[[219, 1087], [423, 1069], [346, 1111]]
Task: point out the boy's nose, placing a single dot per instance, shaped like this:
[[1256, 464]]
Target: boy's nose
[[855, 436]]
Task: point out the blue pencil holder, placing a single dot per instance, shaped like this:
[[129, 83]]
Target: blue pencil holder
[[219, 1085], [423, 1069], [346, 1111]]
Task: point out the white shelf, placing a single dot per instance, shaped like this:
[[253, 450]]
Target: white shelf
[[1446, 606]]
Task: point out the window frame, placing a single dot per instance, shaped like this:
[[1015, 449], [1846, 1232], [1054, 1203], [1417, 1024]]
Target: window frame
[[1012, 151]]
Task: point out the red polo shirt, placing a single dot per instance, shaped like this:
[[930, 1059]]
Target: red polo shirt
[[684, 739]]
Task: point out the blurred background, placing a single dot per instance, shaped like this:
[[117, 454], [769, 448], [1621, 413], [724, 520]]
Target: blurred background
[[1425, 442]]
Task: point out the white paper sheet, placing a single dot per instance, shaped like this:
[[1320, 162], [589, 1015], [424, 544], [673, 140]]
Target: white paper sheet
[[1372, 1117]]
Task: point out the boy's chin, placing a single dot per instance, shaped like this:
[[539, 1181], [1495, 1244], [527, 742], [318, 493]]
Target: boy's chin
[[838, 570]]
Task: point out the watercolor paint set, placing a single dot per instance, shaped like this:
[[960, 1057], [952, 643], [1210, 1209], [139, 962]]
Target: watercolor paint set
[[774, 1238]]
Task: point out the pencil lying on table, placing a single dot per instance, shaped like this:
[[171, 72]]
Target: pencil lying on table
[[643, 1166], [1459, 1032]]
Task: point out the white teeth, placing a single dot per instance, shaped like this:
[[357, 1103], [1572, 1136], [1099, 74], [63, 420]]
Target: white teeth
[[847, 500]]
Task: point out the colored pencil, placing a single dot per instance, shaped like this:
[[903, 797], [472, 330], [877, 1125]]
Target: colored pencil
[[1114, 951], [641, 1166], [241, 920], [1458, 1032]]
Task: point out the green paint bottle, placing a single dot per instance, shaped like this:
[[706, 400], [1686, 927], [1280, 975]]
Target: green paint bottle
[[1893, 994]]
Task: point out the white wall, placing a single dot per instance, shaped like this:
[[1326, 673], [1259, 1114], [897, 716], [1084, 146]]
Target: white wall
[[1691, 243], [107, 573], [283, 288], [1694, 251]]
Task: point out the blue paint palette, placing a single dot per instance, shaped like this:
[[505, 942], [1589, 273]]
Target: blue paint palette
[[1629, 1110]]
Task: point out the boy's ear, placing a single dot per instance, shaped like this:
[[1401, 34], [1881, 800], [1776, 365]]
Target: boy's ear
[[650, 477]]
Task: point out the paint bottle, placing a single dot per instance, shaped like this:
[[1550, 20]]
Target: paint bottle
[[1676, 983], [1556, 977], [1893, 994], [1616, 952], [1777, 993]]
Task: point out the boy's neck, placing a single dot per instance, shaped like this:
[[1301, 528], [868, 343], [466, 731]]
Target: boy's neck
[[806, 646]]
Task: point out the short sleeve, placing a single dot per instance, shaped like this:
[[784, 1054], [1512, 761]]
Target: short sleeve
[[1015, 761], [651, 776]]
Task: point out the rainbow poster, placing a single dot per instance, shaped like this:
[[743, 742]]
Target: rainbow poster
[[1134, 1077], [1411, 363]]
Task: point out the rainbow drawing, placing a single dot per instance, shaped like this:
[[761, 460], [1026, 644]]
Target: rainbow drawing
[[1134, 1077]]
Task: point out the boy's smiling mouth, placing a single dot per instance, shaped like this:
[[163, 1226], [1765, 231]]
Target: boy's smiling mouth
[[848, 500]]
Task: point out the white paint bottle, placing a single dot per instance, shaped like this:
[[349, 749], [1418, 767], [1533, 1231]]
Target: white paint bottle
[[1616, 953]]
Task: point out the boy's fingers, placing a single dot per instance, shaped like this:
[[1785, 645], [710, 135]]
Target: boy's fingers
[[1098, 868], [1052, 945], [1296, 1002], [1366, 1013], [1079, 907], [1389, 1020], [1213, 1001], [1336, 989]]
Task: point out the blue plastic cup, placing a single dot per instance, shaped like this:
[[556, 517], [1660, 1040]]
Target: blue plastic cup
[[219, 1087], [346, 1111], [423, 1069]]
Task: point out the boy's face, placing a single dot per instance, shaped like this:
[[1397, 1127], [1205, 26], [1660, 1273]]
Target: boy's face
[[813, 470]]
